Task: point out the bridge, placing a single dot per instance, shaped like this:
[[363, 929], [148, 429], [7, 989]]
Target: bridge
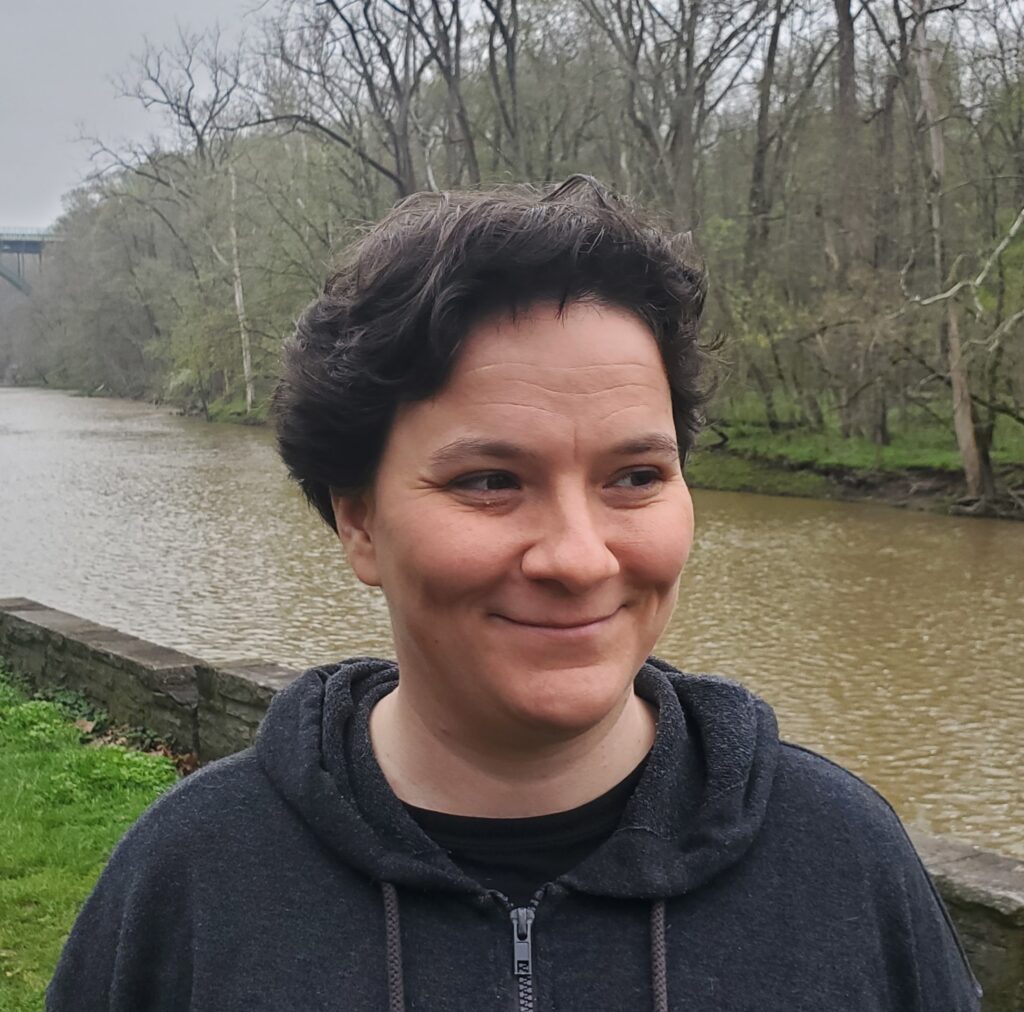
[[20, 243]]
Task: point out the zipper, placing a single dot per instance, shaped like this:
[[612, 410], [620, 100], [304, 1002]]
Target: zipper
[[522, 954]]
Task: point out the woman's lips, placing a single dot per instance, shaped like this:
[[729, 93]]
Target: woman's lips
[[565, 628]]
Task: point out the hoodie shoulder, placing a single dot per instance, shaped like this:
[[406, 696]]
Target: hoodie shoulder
[[821, 785], [847, 834], [205, 804], [197, 828], [838, 803], [822, 800]]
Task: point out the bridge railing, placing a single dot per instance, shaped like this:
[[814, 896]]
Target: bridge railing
[[37, 234]]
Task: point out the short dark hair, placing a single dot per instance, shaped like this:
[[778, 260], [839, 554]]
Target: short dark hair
[[389, 324]]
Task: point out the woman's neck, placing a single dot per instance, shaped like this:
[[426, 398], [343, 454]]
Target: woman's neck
[[459, 774]]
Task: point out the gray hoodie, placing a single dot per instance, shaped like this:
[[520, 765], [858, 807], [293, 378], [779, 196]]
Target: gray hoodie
[[746, 874]]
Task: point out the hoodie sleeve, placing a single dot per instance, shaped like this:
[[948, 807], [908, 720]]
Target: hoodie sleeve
[[855, 869], [901, 934], [936, 966], [129, 949]]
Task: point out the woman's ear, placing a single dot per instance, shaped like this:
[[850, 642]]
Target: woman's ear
[[353, 516]]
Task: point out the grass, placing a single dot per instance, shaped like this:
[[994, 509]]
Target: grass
[[799, 461], [234, 411], [731, 473], [65, 805], [920, 441], [929, 448]]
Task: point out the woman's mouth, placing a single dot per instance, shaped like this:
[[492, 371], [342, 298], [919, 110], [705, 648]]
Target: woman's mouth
[[562, 628]]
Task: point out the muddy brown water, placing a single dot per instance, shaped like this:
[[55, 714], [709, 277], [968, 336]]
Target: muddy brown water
[[891, 641]]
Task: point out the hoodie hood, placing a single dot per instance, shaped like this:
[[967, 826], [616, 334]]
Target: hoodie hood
[[698, 807]]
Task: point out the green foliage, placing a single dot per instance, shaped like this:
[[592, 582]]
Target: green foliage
[[796, 460], [728, 472], [64, 807], [36, 725], [88, 774], [926, 444], [722, 240], [760, 310], [233, 410], [74, 705], [13, 689]]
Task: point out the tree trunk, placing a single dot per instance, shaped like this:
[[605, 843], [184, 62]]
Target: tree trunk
[[243, 321], [847, 125], [758, 202], [887, 208], [978, 475], [506, 96], [684, 181], [767, 396], [977, 469]]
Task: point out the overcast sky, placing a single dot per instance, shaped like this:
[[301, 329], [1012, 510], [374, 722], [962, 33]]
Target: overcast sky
[[58, 58]]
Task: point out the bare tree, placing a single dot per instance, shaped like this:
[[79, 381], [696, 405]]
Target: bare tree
[[758, 203], [193, 84], [441, 28], [849, 214], [680, 61], [976, 468], [503, 73], [895, 43], [350, 73], [784, 90]]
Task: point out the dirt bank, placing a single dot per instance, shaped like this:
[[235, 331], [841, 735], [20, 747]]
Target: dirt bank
[[936, 491]]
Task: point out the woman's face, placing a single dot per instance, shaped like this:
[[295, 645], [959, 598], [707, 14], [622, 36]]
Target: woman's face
[[528, 524]]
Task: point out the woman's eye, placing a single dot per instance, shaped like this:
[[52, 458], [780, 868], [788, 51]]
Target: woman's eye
[[642, 477], [486, 481]]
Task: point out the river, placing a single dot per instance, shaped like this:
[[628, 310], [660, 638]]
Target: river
[[891, 641]]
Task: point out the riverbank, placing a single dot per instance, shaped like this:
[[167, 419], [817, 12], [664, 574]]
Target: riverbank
[[919, 468], [933, 490]]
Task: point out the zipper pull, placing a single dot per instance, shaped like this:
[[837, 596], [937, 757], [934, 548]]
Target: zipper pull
[[522, 941]]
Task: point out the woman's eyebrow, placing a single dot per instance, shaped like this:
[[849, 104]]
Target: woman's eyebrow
[[470, 446], [650, 442]]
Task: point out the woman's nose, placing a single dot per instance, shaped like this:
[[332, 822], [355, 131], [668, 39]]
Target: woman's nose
[[569, 547]]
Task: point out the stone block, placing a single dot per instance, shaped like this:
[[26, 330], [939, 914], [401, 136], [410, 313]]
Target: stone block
[[19, 604], [232, 701]]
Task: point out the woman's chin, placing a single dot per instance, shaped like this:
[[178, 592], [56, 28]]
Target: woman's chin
[[568, 704]]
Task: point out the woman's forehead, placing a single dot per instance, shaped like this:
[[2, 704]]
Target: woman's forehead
[[546, 385], [576, 337]]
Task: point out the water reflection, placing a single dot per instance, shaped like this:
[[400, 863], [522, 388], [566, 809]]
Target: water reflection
[[889, 640]]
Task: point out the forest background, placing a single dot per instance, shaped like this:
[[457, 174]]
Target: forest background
[[852, 173]]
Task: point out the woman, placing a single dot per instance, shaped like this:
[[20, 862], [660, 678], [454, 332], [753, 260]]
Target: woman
[[490, 404]]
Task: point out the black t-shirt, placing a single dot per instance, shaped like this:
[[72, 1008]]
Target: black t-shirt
[[518, 856]]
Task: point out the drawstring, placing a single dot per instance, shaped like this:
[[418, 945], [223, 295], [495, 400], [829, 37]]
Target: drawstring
[[659, 975], [393, 944]]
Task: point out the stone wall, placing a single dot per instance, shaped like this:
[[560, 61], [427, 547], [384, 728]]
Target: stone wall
[[212, 711], [215, 710]]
